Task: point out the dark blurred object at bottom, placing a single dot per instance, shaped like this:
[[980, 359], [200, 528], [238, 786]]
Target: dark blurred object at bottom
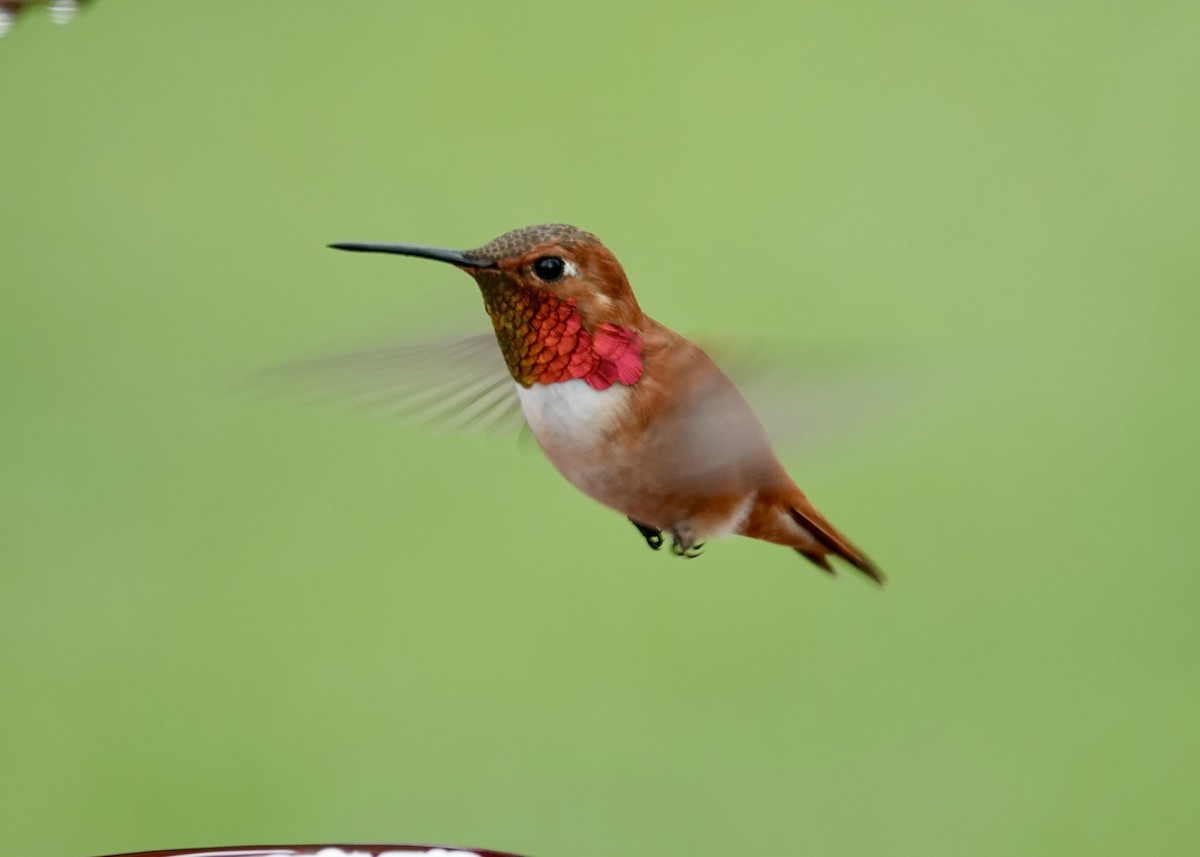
[[325, 851], [61, 11]]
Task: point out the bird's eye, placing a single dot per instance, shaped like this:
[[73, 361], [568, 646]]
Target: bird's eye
[[549, 269]]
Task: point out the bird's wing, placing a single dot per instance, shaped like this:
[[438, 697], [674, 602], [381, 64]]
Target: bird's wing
[[459, 383], [810, 399], [462, 383]]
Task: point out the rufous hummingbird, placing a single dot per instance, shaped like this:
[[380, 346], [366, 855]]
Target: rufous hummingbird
[[630, 412]]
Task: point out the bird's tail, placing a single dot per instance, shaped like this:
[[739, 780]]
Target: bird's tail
[[830, 542], [793, 521]]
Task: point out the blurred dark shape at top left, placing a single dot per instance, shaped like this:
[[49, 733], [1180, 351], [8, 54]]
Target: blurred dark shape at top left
[[61, 11]]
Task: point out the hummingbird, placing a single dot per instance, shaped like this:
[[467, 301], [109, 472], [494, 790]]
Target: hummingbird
[[630, 412]]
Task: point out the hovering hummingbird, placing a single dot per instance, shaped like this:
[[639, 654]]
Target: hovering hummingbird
[[630, 412]]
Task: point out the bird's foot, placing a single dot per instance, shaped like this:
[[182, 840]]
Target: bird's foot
[[653, 536], [683, 545]]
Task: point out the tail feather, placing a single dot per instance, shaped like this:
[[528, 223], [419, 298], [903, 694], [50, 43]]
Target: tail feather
[[833, 542], [817, 559]]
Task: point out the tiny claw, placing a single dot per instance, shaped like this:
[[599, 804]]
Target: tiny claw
[[690, 551], [652, 535], [683, 544]]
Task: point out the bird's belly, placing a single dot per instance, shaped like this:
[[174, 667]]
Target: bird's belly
[[652, 475], [575, 425]]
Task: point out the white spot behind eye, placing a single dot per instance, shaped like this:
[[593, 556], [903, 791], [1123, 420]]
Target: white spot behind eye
[[569, 269]]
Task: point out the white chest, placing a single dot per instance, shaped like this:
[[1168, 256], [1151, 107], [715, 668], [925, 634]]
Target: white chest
[[572, 415]]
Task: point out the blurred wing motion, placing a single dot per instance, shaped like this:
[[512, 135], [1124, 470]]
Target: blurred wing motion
[[807, 398], [61, 11], [460, 383]]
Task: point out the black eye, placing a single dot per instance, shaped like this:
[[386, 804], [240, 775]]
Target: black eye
[[549, 268]]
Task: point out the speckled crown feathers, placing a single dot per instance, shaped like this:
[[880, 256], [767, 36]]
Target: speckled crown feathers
[[521, 241]]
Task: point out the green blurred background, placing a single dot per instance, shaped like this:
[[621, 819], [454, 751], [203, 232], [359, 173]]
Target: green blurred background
[[227, 621]]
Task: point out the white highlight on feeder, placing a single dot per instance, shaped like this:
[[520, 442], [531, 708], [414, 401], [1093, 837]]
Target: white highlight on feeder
[[253, 852], [62, 11], [424, 852]]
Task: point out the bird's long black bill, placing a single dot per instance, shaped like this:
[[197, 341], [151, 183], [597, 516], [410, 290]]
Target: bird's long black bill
[[441, 254]]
